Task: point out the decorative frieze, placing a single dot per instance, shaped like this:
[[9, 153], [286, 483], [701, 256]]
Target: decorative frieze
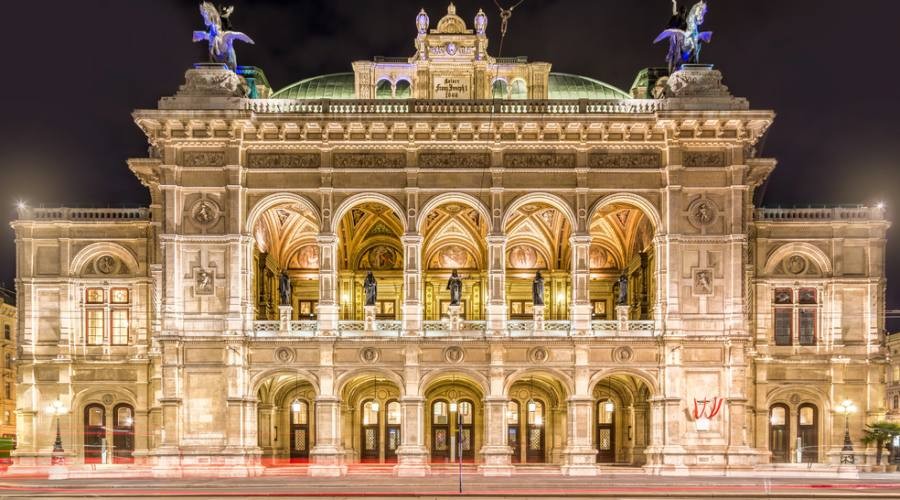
[[450, 159], [369, 160], [704, 159], [539, 160], [642, 159], [203, 159], [283, 160]]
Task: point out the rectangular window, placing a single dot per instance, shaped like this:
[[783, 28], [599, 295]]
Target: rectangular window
[[783, 325], [119, 325], [94, 326], [94, 296], [7, 332], [807, 324], [119, 296]]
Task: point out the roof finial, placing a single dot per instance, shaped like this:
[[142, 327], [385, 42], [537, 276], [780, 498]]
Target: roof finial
[[451, 9], [422, 22]]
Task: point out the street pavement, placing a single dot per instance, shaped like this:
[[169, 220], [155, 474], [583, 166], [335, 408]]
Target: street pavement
[[625, 486]]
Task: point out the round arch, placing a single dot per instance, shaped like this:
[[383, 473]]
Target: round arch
[[453, 197], [88, 253], [361, 198], [648, 379], [640, 202], [279, 199], [522, 374], [463, 375], [255, 382], [549, 199], [342, 381], [808, 250], [782, 395], [92, 395]]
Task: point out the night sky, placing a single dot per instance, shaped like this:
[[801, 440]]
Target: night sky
[[76, 69]]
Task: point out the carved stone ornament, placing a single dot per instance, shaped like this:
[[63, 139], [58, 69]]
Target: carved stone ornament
[[702, 213], [795, 264], [703, 159], [284, 160], [284, 355], [212, 80], [204, 282], [696, 81], [369, 160], [107, 399], [795, 399], [539, 355], [449, 159], [203, 159], [454, 354], [538, 160], [369, 355], [702, 282], [622, 354], [625, 160], [106, 264], [205, 212]]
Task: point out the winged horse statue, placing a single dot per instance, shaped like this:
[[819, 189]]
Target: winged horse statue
[[221, 43], [685, 44]]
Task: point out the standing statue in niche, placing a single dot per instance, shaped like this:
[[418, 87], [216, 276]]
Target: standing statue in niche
[[370, 285], [622, 299], [454, 284], [684, 35], [221, 41], [537, 289], [284, 289]]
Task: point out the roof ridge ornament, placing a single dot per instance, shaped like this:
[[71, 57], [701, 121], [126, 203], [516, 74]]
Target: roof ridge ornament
[[221, 42], [451, 24]]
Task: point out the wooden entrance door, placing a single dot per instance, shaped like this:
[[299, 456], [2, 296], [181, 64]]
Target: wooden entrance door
[[392, 431], [808, 432], [779, 434], [94, 433], [299, 431], [606, 432], [513, 438], [535, 437], [465, 431], [440, 431], [123, 434], [370, 442]]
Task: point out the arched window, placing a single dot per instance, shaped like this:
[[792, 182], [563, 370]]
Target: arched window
[[94, 433], [500, 90], [123, 434], [519, 90], [393, 413], [403, 90], [779, 433], [383, 90], [370, 413], [465, 412], [808, 432], [897, 402], [440, 413]]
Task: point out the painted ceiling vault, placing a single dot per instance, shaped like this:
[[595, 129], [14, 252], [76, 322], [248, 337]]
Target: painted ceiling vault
[[618, 234], [454, 238], [369, 239], [288, 234]]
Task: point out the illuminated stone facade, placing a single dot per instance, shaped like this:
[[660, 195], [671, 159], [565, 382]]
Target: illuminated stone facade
[[163, 331], [8, 366]]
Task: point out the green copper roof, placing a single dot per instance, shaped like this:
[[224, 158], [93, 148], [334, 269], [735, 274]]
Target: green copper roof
[[341, 86]]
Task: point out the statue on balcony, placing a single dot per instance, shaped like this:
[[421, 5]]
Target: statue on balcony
[[284, 289], [622, 285], [454, 284], [370, 285], [537, 289], [684, 35], [221, 41]]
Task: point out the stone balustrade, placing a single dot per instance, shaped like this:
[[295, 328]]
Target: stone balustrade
[[855, 213], [84, 214], [437, 106]]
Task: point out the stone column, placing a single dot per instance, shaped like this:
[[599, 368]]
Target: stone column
[[329, 307], [496, 452], [496, 309], [327, 456], [412, 284], [580, 314], [639, 436], [412, 456], [580, 456], [265, 423]]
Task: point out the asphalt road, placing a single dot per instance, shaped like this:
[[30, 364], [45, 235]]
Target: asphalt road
[[475, 487]]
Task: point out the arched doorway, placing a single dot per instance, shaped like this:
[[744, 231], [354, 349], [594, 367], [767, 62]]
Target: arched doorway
[[285, 418], [621, 419], [373, 411], [392, 430], [622, 245], [538, 240], [94, 433], [369, 241], [123, 434], [370, 427], [454, 419], [513, 431], [454, 238], [780, 433], [808, 432], [285, 243], [536, 415], [299, 445]]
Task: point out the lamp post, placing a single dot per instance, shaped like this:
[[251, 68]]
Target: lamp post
[[57, 408], [847, 408]]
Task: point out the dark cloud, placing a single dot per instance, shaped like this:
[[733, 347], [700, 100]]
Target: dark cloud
[[75, 70]]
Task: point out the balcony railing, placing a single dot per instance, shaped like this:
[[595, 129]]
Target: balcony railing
[[84, 214], [858, 213], [444, 328]]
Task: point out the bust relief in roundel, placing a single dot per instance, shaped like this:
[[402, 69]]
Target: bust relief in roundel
[[107, 264], [205, 212], [796, 264]]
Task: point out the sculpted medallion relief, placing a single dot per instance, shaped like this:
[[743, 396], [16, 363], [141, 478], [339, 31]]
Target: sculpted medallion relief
[[205, 212], [284, 355], [539, 355], [369, 355], [796, 264], [106, 264], [703, 282], [623, 354], [454, 354], [702, 213]]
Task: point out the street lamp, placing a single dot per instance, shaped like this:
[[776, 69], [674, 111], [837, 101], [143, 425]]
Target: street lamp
[[847, 408], [56, 409]]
